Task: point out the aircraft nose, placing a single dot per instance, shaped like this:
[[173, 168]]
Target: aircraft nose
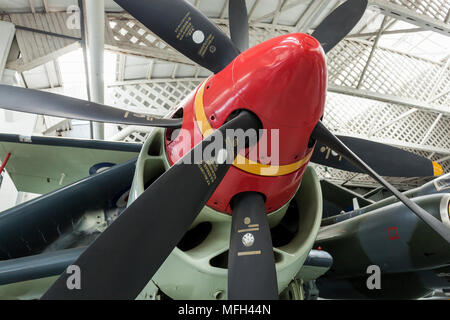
[[283, 79]]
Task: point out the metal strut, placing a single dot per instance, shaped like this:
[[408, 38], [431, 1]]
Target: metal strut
[[2, 167]]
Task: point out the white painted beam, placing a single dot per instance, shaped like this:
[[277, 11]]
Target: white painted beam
[[388, 32], [310, 16], [430, 130], [95, 21], [389, 99], [7, 31], [408, 15]]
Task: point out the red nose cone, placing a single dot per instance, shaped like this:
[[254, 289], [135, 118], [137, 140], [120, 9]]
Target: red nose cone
[[283, 80]]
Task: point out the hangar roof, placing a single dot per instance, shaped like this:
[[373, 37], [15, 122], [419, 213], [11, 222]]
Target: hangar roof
[[389, 80]]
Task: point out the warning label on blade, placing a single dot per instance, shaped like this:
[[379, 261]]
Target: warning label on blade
[[206, 46], [185, 28], [208, 171]]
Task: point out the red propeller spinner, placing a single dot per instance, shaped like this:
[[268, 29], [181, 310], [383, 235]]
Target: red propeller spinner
[[283, 81]]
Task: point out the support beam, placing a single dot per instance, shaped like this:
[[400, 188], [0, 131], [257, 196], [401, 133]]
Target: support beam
[[7, 31], [197, 72], [58, 72], [281, 4], [85, 58], [174, 70], [388, 32], [387, 26], [430, 130], [224, 10], [388, 124], [22, 81], [95, 20], [437, 83], [389, 99], [47, 33], [266, 27], [42, 38], [149, 81], [433, 96], [47, 73], [286, 7], [440, 95], [374, 47], [121, 68], [45, 4], [150, 69], [121, 135], [252, 10], [309, 17], [332, 88], [401, 12], [32, 8], [443, 159]]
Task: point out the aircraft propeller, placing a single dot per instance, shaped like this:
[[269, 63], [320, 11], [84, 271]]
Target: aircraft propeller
[[56, 105], [239, 30], [339, 23], [145, 234], [193, 35], [251, 274]]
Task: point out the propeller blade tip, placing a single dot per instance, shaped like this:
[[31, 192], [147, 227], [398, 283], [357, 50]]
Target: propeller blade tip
[[437, 169]]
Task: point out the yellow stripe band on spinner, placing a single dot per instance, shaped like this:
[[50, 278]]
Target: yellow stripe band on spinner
[[242, 162], [437, 169]]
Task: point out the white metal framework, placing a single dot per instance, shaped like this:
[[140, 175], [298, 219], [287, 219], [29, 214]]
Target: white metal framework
[[389, 81]]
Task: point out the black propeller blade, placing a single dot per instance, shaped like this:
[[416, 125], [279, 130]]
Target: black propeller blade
[[322, 134], [251, 262], [49, 104], [238, 18], [399, 163], [186, 29], [339, 23], [147, 231]]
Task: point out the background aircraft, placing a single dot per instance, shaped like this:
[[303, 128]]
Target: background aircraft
[[413, 261]]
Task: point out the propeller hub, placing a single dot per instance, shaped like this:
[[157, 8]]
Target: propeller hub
[[282, 81]]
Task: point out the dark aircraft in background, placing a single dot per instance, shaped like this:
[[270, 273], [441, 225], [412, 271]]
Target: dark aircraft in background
[[413, 261]]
